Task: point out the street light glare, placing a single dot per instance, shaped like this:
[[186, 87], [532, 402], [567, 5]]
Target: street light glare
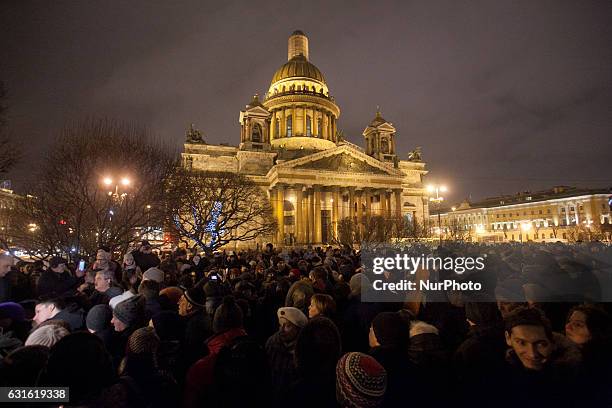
[[443, 189], [108, 181], [526, 226], [430, 188], [125, 181]]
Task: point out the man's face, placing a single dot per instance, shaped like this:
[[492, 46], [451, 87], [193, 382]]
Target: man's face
[[44, 312], [118, 324], [5, 266], [576, 328], [288, 331], [145, 249], [531, 345], [101, 283]]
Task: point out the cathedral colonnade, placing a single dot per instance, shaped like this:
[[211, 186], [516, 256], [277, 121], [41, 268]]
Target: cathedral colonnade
[[309, 214]]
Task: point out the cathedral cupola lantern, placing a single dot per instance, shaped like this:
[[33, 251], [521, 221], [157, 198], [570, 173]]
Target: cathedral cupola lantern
[[380, 139], [255, 126]]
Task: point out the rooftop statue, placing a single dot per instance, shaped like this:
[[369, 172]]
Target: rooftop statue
[[415, 155], [194, 135]]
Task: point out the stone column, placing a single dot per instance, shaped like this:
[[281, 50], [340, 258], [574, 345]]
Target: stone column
[[383, 203], [283, 124], [335, 209], [352, 204], [398, 203], [368, 203], [298, 215], [359, 200], [311, 212], [280, 214], [317, 214]]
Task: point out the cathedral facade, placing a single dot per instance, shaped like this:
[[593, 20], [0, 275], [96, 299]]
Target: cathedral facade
[[291, 148]]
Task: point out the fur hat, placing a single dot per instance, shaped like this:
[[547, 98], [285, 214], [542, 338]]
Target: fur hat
[[292, 315], [46, 335], [99, 318], [227, 316], [361, 381], [154, 274], [56, 261]]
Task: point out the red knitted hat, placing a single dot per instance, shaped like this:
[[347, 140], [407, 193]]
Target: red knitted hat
[[361, 381]]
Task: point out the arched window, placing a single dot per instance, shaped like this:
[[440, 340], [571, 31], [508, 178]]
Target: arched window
[[256, 135], [384, 146], [290, 126], [308, 126], [277, 128], [319, 127]]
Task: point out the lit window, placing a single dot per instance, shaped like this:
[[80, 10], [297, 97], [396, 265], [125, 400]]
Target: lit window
[[308, 126], [289, 126]]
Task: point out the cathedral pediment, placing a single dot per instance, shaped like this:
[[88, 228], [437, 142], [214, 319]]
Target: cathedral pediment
[[342, 163], [342, 159]]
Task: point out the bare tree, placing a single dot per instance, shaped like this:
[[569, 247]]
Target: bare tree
[[417, 231], [455, 230], [71, 210], [213, 209]]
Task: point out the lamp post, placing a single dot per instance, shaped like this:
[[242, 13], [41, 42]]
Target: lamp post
[[437, 200], [123, 181]]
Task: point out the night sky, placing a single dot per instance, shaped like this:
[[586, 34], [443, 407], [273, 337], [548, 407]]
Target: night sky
[[503, 96]]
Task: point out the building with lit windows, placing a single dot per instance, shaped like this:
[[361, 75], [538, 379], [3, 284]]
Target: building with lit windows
[[559, 214], [290, 146]]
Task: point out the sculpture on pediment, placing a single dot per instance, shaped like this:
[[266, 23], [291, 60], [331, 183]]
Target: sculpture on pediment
[[415, 155], [193, 135]]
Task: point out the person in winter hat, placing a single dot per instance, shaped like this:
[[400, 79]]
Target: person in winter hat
[[154, 274], [98, 322], [361, 381], [317, 351], [280, 349], [128, 313], [227, 326], [227, 316]]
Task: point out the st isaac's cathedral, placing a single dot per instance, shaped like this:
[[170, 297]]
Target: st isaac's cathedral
[[290, 146]]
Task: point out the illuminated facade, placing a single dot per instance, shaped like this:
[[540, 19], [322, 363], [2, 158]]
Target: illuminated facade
[[560, 214], [290, 146]]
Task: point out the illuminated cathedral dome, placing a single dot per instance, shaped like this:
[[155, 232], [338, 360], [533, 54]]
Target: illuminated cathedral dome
[[303, 112], [298, 66]]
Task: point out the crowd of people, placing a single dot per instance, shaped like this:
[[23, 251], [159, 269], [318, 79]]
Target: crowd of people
[[289, 328]]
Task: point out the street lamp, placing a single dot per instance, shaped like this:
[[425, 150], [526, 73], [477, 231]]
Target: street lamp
[[437, 200], [124, 181]]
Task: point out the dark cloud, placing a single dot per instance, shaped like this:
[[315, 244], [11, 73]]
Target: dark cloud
[[502, 96]]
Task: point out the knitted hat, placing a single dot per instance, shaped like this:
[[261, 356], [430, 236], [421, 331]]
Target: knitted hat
[[46, 335], [292, 315], [173, 293], [99, 318], [13, 311], [227, 316], [391, 329], [154, 274], [143, 341], [130, 311], [361, 381], [195, 296]]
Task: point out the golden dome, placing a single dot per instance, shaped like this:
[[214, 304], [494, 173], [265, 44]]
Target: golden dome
[[298, 66]]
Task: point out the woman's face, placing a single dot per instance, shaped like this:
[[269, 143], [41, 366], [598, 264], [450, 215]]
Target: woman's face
[[184, 306], [576, 328], [313, 310]]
